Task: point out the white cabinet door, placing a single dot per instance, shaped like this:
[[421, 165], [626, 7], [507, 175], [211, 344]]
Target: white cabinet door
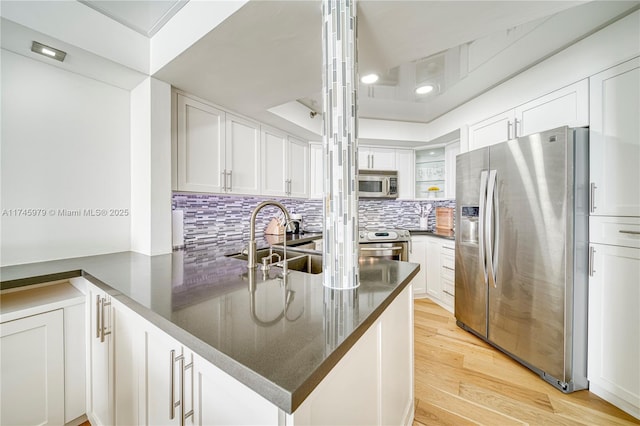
[[491, 131], [221, 400], [100, 399], [376, 158], [32, 369], [274, 160], [434, 285], [161, 384], [614, 326], [405, 163], [615, 140], [315, 171], [450, 152], [242, 155], [397, 360], [373, 382], [201, 146], [298, 168], [418, 254], [126, 353], [568, 106]]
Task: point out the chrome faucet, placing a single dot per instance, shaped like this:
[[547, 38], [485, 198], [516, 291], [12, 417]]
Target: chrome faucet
[[251, 250]]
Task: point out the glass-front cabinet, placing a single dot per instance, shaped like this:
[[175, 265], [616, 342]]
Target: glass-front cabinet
[[435, 171], [430, 173]]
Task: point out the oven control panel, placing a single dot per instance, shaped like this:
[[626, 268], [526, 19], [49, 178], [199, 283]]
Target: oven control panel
[[384, 235]]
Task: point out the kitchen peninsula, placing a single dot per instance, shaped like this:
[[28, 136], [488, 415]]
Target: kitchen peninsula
[[260, 348]]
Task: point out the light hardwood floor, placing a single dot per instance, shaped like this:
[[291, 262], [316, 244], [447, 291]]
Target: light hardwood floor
[[460, 380]]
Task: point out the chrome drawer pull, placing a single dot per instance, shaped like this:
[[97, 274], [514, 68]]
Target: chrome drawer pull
[[629, 232]]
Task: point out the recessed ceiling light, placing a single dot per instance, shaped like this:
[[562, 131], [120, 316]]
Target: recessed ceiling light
[[48, 51], [369, 78], [424, 89]]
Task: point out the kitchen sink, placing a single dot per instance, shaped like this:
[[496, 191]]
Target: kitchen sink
[[296, 260]]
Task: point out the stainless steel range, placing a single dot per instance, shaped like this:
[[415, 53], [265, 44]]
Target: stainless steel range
[[390, 244]]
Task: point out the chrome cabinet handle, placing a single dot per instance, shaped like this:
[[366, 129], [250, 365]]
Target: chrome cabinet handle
[[184, 367], [592, 252], [448, 248], [172, 385], [98, 310], [515, 128], [592, 198], [103, 328], [446, 267], [622, 231]]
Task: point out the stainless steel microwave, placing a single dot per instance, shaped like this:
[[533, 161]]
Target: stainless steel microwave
[[378, 184]]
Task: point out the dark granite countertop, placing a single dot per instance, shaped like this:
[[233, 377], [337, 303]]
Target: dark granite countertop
[[445, 235], [278, 338]]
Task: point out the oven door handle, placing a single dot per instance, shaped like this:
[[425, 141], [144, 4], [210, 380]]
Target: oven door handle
[[394, 248]]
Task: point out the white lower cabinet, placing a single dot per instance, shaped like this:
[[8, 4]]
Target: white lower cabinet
[[373, 383], [32, 366], [436, 278], [614, 325], [100, 398], [178, 387], [42, 364], [418, 254], [112, 383], [434, 285]]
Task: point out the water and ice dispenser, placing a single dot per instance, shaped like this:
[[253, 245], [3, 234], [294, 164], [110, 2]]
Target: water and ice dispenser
[[469, 216]]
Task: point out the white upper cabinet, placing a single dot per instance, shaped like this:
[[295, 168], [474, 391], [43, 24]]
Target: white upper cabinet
[[568, 106], [274, 158], [315, 171], [298, 168], [242, 156], [615, 140], [217, 151], [373, 158], [405, 162], [201, 146], [490, 131], [285, 165]]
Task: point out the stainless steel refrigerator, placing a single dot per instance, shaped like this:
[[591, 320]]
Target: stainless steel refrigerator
[[521, 251]]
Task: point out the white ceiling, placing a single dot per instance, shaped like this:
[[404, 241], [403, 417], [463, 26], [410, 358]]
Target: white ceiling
[[269, 53], [144, 16], [264, 61]]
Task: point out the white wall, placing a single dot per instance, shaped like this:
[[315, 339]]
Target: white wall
[[151, 167], [65, 145]]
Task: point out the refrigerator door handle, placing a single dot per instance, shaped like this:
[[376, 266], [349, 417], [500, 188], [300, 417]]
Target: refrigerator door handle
[[489, 228], [481, 233]]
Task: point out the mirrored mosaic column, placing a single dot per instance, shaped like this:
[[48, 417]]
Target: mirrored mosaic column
[[339, 84]]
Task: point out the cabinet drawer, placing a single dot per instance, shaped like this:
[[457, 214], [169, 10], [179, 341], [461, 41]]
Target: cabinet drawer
[[619, 231], [447, 262], [448, 286]]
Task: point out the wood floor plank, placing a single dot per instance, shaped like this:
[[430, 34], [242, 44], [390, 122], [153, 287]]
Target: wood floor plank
[[502, 403], [568, 409], [460, 377], [465, 408], [432, 415]]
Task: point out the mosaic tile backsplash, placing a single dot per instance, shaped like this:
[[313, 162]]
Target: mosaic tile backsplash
[[210, 218]]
